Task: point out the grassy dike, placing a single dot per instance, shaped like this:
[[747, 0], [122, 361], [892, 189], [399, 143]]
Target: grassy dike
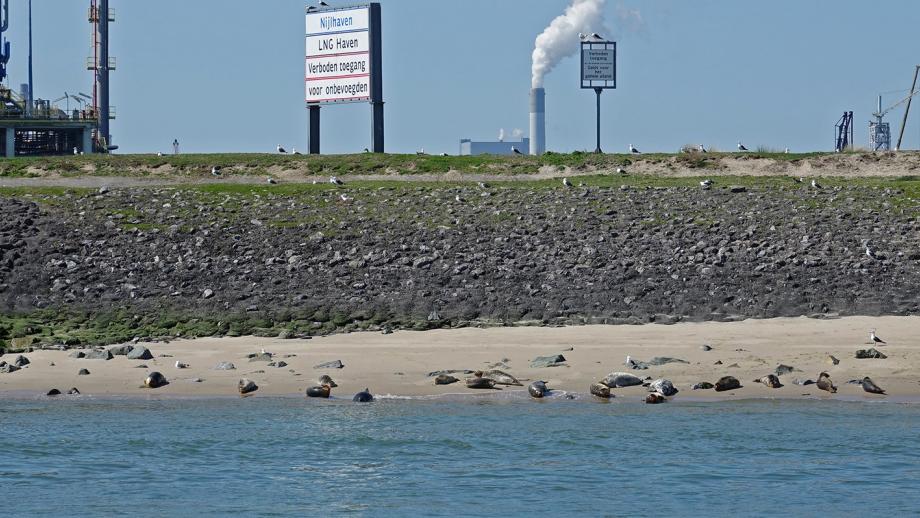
[[73, 327]]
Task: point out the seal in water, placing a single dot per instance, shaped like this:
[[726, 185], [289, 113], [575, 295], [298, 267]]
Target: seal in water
[[155, 380], [480, 383], [445, 379], [325, 379], [770, 380], [363, 397], [825, 383], [869, 386], [322, 391], [703, 385], [246, 386], [537, 389], [654, 399], [600, 390], [727, 383], [53, 392]]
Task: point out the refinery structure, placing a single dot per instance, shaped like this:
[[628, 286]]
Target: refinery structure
[[31, 126]]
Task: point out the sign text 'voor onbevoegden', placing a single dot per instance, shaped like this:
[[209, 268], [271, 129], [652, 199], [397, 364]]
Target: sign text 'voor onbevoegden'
[[338, 62]]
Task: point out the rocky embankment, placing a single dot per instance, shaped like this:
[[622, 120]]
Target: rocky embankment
[[298, 260]]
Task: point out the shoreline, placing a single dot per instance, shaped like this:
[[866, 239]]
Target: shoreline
[[398, 364]]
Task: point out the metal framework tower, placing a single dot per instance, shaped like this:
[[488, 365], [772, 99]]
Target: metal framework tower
[[101, 64]]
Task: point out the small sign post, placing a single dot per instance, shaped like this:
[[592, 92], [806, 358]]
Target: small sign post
[[598, 72]]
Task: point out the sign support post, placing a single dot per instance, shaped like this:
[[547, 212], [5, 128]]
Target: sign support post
[[598, 72], [377, 129], [313, 147]]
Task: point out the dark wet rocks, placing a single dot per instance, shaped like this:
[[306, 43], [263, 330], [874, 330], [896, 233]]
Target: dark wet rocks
[[337, 364], [870, 354], [83, 372], [121, 350], [542, 362], [21, 361]]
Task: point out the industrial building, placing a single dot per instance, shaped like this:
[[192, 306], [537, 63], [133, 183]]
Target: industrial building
[[39, 127], [469, 147]]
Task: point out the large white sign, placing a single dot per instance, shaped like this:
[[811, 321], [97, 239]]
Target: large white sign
[[598, 65], [338, 56]]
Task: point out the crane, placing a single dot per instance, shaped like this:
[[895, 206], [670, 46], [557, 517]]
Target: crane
[[881, 113]]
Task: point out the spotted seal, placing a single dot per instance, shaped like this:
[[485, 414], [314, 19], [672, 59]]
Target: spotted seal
[[770, 380], [654, 399], [600, 390], [824, 383], [364, 396], [537, 389], [322, 391]]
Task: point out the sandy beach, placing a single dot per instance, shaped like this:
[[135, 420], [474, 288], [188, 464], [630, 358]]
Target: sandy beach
[[398, 364]]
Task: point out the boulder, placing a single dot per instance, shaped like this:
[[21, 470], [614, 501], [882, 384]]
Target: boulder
[[155, 380], [99, 355], [445, 379], [77, 354], [224, 366], [260, 357], [542, 362], [83, 372], [727, 383], [247, 386], [663, 387], [121, 350], [6, 368], [337, 364], [870, 354], [621, 379], [21, 361], [139, 352]]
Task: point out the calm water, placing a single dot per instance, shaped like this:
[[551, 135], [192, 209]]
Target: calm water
[[488, 458]]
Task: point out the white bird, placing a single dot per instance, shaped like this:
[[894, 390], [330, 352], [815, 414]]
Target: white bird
[[483, 185], [620, 170], [344, 197], [633, 150], [271, 180], [566, 182], [798, 180], [701, 148], [334, 180], [76, 151], [421, 152], [582, 36], [874, 338], [159, 153], [707, 183], [869, 253], [180, 365], [786, 151], [215, 171], [459, 199], [295, 152], [516, 151], [281, 149], [741, 146], [263, 350], [596, 36], [444, 154], [815, 185], [324, 4], [367, 150]]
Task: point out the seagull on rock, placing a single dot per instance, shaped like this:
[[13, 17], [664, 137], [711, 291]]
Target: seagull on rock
[[344, 197], [875, 339], [566, 182], [335, 181], [701, 149], [271, 180], [281, 149], [215, 171], [620, 170], [815, 185], [633, 150], [458, 199], [869, 253], [705, 184], [741, 146]]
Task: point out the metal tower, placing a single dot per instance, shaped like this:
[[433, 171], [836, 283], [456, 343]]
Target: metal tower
[[101, 63], [4, 45]]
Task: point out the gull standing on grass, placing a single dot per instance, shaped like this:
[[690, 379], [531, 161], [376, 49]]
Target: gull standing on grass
[[633, 150], [701, 148], [815, 185], [335, 181], [566, 182], [281, 149], [741, 146]]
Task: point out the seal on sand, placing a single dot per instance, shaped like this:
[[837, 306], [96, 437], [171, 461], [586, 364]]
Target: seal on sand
[[654, 399], [325, 379], [703, 385], [155, 380], [364, 396], [727, 383], [600, 390], [537, 389], [480, 383], [322, 391], [825, 383], [246, 386], [869, 386], [445, 379], [770, 380]]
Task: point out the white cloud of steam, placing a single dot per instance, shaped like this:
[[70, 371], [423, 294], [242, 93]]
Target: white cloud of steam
[[501, 135], [517, 133], [560, 39], [630, 20]]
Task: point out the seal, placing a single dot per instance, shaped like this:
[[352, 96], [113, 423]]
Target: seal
[[325, 379], [654, 399], [770, 380], [537, 389], [73, 392], [53, 392], [155, 380], [663, 387], [364, 396], [703, 385], [869, 386], [322, 391], [445, 379], [480, 383], [246, 386], [727, 383], [825, 383], [600, 390], [621, 379], [501, 378]]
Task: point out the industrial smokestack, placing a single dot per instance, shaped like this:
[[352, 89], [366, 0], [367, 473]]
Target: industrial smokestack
[[537, 121]]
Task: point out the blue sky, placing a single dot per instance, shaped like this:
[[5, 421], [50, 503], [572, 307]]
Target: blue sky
[[227, 75]]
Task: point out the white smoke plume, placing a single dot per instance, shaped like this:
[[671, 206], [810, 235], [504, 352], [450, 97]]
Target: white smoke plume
[[560, 39], [517, 133], [501, 135]]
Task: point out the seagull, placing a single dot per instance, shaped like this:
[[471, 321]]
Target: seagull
[[596, 36], [582, 36], [335, 181], [701, 148], [620, 170], [215, 171], [815, 185], [263, 351], [786, 151], [459, 199], [295, 152], [875, 339], [566, 182], [324, 4], [516, 151], [825, 383], [344, 197], [271, 180], [869, 386], [798, 180], [483, 185], [311, 9], [633, 150], [281, 149], [870, 254], [420, 152], [76, 151], [159, 153], [367, 150], [705, 184], [741, 146], [180, 365], [444, 154]]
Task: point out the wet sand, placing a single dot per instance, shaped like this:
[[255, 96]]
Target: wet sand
[[398, 364]]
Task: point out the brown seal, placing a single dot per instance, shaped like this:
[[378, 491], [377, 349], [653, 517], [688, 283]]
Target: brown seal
[[654, 399], [825, 383]]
